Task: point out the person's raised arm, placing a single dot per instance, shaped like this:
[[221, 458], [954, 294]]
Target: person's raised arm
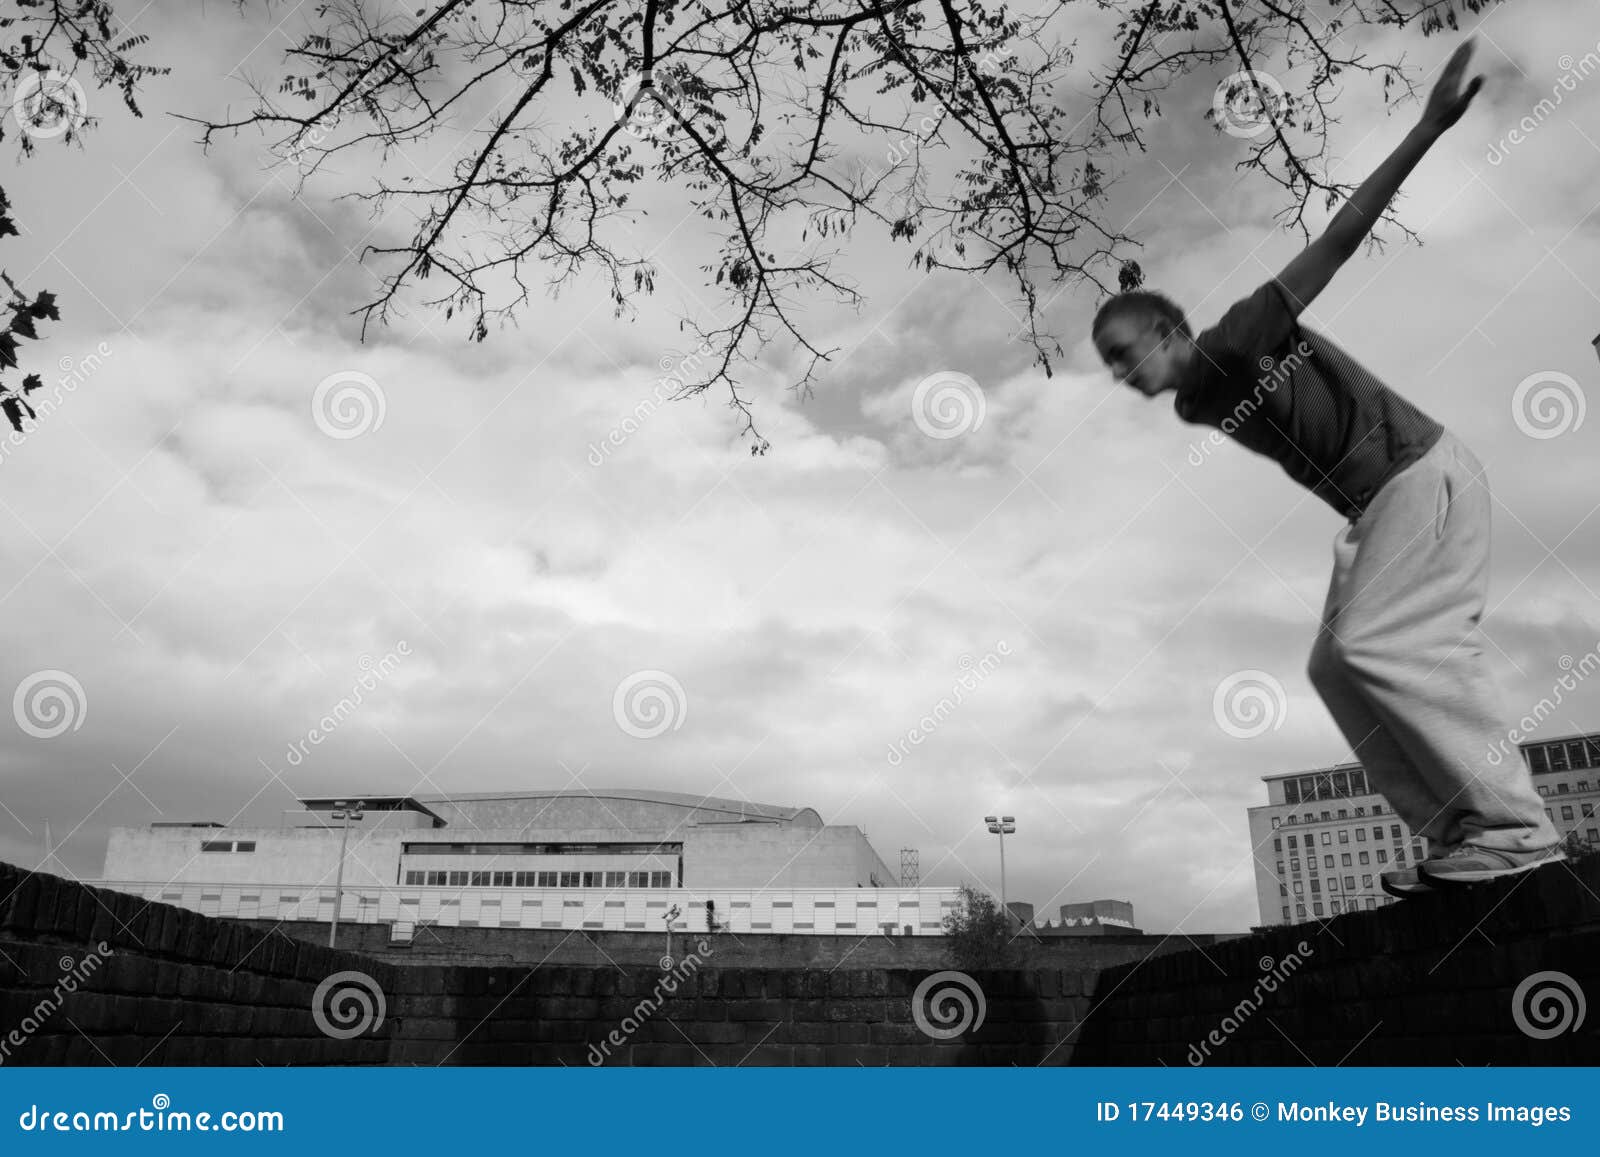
[[1305, 276]]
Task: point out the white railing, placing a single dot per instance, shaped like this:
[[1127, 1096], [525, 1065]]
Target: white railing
[[818, 911]]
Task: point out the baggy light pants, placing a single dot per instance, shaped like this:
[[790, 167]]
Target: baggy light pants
[[1399, 659]]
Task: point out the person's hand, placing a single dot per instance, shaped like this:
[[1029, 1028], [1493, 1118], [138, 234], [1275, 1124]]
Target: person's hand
[[1448, 100]]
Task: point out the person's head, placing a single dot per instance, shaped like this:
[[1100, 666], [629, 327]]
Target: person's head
[[1144, 340]]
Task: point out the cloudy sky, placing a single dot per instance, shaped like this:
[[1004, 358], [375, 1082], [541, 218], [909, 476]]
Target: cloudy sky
[[186, 541]]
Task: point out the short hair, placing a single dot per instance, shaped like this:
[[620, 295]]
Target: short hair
[[1144, 303]]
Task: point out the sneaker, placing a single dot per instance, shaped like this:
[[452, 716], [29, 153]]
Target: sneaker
[[1473, 864], [1404, 882]]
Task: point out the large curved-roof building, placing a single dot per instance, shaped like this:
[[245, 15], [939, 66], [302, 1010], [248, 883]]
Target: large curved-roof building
[[617, 858]]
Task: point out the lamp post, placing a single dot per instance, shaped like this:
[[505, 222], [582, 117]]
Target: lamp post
[[342, 811], [1002, 826]]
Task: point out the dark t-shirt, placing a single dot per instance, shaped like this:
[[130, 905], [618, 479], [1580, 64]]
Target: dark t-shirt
[[1288, 392]]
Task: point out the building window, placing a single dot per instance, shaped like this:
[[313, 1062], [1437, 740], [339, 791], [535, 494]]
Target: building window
[[638, 879], [1317, 907], [1383, 856], [592, 879], [1344, 860], [480, 879], [1327, 816], [1371, 902], [1334, 907], [1377, 810], [569, 879], [1316, 887], [413, 877], [1588, 809], [1366, 881], [1561, 789], [436, 879], [1274, 823], [1594, 835], [1566, 811], [1280, 867], [1327, 861], [216, 845], [458, 879], [1277, 845], [661, 879], [1343, 814], [1548, 814], [1291, 843], [1298, 891], [1394, 831], [1364, 858], [1327, 838], [1294, 863], [1283, 889], [1333, 884], [1286, 911], [1360, 811], [1349, 883], [1400, 856]]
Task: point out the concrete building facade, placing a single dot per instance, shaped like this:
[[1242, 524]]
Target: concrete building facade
[[1325, 835], [616, 859]]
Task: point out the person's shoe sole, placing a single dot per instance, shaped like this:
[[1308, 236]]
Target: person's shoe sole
[[1467, 879], [1405, 893]]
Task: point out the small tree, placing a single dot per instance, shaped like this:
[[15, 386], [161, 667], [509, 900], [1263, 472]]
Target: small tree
[[1576, 847], [980, 935]]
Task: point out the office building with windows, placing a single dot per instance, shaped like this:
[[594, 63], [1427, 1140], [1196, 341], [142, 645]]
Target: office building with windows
[[600, 859], [1324, 835]]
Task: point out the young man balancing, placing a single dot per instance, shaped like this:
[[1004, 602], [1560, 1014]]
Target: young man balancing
[[1398, 658]]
